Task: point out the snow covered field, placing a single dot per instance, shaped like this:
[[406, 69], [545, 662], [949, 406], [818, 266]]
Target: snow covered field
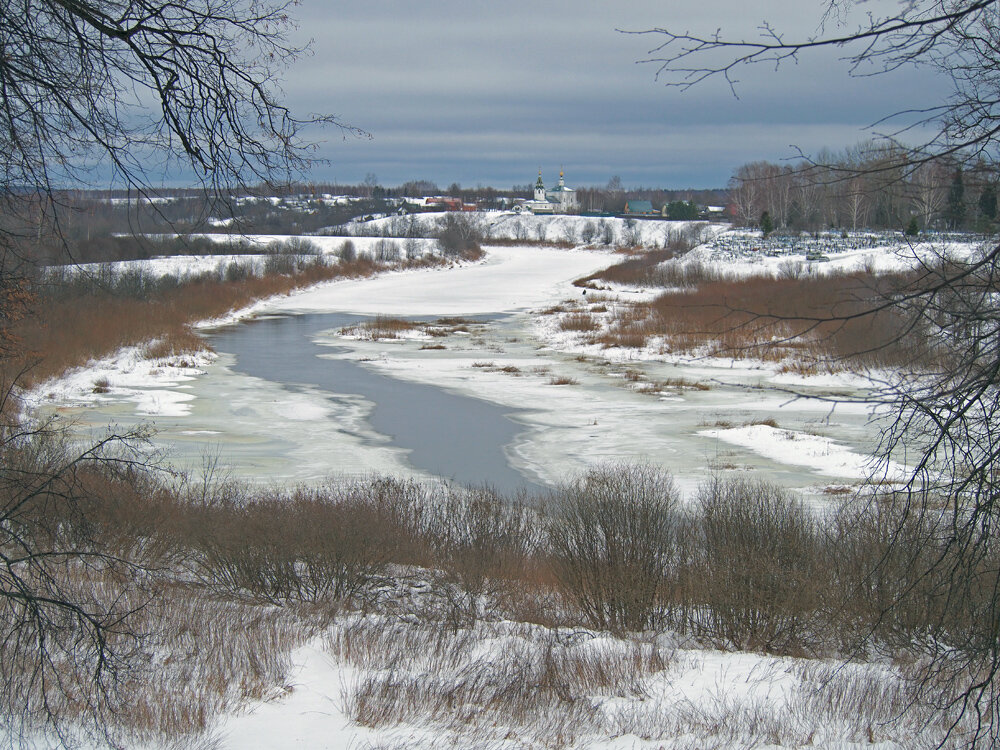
[[572, 230], [579, 407]]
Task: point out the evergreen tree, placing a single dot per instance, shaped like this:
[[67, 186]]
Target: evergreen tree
[[955, 212], [682, 211], [988, 203], [913, 229], [766, 223]]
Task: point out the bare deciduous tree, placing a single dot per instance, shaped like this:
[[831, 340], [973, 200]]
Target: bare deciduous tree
[[124, 90], [66, 596], [928, 190], [944, 417], [140, 87], [956, 38]]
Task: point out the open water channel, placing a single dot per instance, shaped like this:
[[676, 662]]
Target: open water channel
[[290, 399], [444, 433]]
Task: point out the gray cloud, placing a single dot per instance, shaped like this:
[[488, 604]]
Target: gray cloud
[[487, 93]]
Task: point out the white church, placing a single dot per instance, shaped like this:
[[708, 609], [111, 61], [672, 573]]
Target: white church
[[560, 199]]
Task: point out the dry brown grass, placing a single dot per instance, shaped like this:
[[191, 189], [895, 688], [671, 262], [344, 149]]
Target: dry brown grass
[[563, 380], [776, 319], [658, 386], [626, 337], [492, 367], [183, 341], [67, 332], [533, 687], [639, 266], [445, 326], [381, 327], [782, 320], [211, 656], [578, 322]]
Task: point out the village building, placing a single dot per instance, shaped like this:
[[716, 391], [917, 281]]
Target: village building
[[560, 199], [639, 208]]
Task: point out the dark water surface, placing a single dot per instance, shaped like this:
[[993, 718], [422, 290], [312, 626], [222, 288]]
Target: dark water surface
[[453, 436]]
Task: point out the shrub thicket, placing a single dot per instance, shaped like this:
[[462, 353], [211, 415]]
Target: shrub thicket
[[612, 537], [757, 572], [745, 566]]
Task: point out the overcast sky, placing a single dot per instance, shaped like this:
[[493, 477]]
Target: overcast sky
[[485, 94]]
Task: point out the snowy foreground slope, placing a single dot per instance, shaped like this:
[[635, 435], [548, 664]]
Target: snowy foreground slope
[[511, 685], [391, 680]]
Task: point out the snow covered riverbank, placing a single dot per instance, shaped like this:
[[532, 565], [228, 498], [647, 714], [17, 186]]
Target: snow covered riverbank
[[577, 409], [484, 335]]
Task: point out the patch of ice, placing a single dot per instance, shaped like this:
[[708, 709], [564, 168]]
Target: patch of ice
[[821, 454], [161, 403], [129, 375]]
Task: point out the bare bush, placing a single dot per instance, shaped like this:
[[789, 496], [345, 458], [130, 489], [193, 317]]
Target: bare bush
[[606, 232], [411, 249], [347, 252], [459, 235], [793, 269], [480, 540], [288, 264], [612, 538], [908, 587], [329, 543], [758, 571], [386, 251], [631, 234], [293, 246]]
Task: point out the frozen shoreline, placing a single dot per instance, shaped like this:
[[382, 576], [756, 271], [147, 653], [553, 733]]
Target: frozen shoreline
[[578, 406], [273, 434]]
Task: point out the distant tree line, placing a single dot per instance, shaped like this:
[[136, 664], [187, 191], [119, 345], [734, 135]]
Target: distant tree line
[[89, 220], [870, 185], [681, 204], [103, 226]]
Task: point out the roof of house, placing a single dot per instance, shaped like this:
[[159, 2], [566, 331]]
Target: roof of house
[[639, 207]]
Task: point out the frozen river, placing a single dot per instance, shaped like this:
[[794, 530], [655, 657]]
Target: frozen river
[[294, 398], [446, 434]]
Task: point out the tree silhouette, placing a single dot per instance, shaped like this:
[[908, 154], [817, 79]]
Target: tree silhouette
[[126, 90], [943, 413]]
